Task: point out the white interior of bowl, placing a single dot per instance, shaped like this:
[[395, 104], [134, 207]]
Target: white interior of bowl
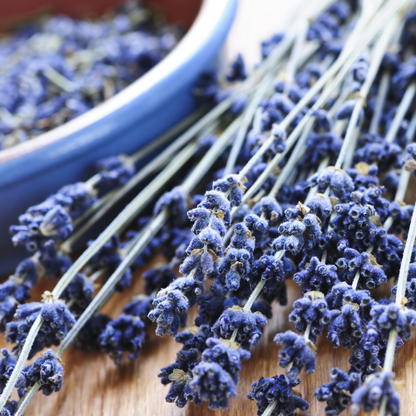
[[206, 21]]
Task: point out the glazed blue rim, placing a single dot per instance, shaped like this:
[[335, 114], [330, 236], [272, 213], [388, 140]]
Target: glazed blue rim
[[31, 171], [99, 124]]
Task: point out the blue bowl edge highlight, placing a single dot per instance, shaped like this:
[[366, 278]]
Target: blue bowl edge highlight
[[29, 179]]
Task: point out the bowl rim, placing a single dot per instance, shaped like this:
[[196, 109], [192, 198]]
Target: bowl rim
[[209, 15]]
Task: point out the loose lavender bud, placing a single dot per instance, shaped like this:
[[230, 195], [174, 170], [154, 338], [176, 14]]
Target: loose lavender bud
[[69, 66]]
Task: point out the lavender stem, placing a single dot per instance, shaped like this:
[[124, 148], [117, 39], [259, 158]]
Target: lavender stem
[[401, 290], [401, 112]]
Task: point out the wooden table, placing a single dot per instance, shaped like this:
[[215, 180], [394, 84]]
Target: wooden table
[[94, 386]]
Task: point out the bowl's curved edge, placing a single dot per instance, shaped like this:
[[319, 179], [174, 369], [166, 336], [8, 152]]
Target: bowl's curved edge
[[29, 179], [208, 20]]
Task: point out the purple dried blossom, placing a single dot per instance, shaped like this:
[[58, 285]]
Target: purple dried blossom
[[346, 326], [108, 258], [311, 310], [237, 70], [392, 316], [56, 322], [179, 374], [177, 203], [375, 389], [337, 393], [116, 169], [337, 180], [278, 390], [317, 276], [172, 303], [160, 276], [88, 337], [126, 333], [216, 376], [48, 371], [296, 351], [249, 325], [80, 291]]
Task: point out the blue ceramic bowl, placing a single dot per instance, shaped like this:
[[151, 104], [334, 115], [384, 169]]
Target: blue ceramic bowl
[[31, 171]]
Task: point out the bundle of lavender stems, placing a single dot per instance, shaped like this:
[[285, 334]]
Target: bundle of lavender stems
[[297, 171]]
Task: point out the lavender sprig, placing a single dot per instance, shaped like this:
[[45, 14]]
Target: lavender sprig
[[149, 232], [387, 401]]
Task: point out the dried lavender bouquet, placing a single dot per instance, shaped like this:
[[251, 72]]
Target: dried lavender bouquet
[[294, 164]]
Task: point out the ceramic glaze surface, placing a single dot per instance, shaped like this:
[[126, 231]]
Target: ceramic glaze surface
[[123, 124]]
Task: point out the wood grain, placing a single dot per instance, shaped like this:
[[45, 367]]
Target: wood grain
[[93, 385]]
